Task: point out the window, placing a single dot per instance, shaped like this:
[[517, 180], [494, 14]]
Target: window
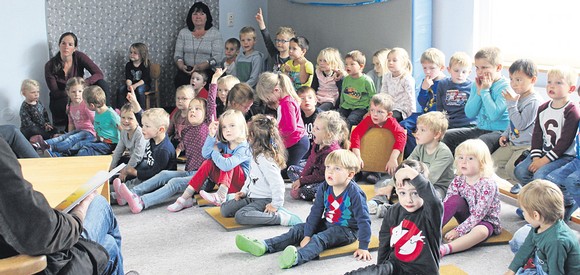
[[544, 31]]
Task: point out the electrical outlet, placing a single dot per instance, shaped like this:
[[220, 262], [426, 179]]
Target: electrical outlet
[[230, 19]]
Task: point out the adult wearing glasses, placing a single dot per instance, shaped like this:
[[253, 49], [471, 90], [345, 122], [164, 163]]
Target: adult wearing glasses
[[68, 63], [279, 49], [198, 45]]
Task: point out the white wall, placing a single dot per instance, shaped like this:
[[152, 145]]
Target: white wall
[[244, 15], [23, 55]]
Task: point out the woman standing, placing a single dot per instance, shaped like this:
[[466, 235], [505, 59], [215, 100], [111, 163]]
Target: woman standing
[[68, 63], [198, 45]]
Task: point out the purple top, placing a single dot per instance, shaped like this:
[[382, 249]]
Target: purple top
[[56, 82]]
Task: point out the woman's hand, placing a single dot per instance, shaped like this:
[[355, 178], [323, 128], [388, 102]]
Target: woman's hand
[[81, 209]]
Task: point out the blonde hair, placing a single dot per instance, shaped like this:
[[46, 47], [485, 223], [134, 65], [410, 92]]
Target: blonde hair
[[478, 149], [239, 120], [345, 159], [383, 100], [74, 81], [187, 90], [567, 73], [543, 197], [404, 56], [460, 58], [228, 80], [95, 95], [265, 139], [268, 82], [248, 30], [286, 31], [381, 55], [357, 56], [239, 94], [28, 84], [433, 55], [332, 57], [490, 54], [436, 121], [158, 117], [335, 127]]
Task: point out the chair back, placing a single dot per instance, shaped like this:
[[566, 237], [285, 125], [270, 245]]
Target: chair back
[[22, 264], [375, 149]]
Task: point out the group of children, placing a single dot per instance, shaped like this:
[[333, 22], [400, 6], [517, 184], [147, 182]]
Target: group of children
[[230, 139]]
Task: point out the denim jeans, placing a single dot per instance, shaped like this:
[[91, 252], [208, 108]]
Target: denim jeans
[[96, 148], [516, 242], [100, 225], [568, 178], [122, 95], [524, 176], [326, 236], [74, 141], [162, 186], [249, 211], [296, 152], [18, 143]]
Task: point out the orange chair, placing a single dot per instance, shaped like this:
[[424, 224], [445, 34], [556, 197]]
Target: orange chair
[[375, 149], [22, 265], [153, 93]]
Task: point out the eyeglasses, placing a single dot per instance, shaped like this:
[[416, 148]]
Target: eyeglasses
[[281, 41]]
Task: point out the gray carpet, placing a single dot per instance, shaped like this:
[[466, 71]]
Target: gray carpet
[[157, 241]]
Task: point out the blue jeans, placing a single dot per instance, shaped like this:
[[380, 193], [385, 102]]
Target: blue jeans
[[96, 148], [162, 186], [70, 141], [249, 211], [100, 225], [18, 143], [524, 176], [567, 178], [139, 93], [326, 236], [296, 152]]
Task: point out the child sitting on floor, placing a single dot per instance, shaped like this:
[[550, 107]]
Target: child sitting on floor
[[261, 199], [227, 163], [472, 198], [131, 139], [159, 153], [338, 217], [106, 124], [33, 116], [432, 152], [168, 182], [329, 133], [550, 245], [80, 123], [418, 213]]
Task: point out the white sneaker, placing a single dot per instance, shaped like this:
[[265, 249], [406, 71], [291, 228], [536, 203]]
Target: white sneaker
[[373, 206]]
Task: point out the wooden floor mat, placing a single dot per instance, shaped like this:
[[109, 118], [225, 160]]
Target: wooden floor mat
[[229, 224], [451, 269], [503, 238], [348, 249]]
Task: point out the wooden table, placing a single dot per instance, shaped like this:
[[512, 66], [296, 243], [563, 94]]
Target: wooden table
[[57, 178]]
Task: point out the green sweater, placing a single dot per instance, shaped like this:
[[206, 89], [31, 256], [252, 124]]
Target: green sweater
[[557, 248], [357, 92]]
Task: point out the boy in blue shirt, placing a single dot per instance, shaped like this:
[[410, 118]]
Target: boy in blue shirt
[[338, 217], [486, 103], [107, 124]]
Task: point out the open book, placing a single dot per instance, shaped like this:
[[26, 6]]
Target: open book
[[87, 188]]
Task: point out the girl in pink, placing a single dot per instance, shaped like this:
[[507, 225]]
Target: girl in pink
[[472, 198], [327, 80], [277, 91], [80, 123]]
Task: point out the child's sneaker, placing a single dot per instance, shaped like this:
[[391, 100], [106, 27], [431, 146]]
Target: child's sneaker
[[288, 257], [295, 193], [383, 209], [252, 246], [134, 201], [38, 142], [287, 218], [569, 210], [181, 204], [214, 198], [372, 206], [117, 187]]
